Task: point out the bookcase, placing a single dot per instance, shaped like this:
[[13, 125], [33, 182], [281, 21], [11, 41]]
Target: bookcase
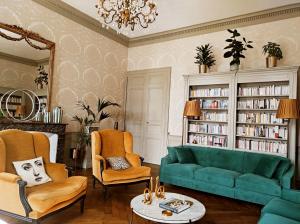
[[239, 110]]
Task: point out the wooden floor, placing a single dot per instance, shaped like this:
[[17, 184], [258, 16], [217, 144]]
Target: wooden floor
[[116, 210]]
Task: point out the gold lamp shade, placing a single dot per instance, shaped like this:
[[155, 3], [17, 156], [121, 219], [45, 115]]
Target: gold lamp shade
[[20, 110], [192, 109], [288, 109]]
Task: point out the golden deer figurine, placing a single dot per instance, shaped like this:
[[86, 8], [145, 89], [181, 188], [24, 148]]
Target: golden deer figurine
[[148, 193], [159, 190]]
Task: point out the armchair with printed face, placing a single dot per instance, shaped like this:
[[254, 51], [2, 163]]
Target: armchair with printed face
[[112, 143], [32, 204]]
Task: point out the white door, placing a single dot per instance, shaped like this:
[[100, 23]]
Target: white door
[[147, 114]]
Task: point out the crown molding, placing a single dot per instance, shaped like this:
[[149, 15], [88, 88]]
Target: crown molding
[[22, 60], [264, 16], [77, 16]]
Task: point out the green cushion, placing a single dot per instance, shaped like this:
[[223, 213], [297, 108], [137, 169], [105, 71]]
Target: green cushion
[[267, 166], [282, 167], [260, 184], [216, 176], [283, 208], [185, 155], [172, 154], [275, 219], [182, 170]]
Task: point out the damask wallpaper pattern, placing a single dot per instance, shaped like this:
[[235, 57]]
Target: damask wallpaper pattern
[[179, 55], [87, 65]]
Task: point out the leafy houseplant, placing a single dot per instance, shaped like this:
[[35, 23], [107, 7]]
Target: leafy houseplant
[[204, 57], [88, 120], [273, 52], [42, 77], [236, 48]]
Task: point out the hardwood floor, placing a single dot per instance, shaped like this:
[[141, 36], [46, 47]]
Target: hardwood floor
[[116, 210]]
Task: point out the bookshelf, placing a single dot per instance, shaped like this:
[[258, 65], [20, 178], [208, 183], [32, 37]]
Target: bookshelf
[[239, 110]]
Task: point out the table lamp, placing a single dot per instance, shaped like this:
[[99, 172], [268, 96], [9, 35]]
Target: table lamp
[[20, 111], [191, 109]]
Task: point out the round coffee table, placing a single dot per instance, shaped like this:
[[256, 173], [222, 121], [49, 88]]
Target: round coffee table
[[154, 213]]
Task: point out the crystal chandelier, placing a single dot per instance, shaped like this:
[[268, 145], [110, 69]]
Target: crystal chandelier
[[127, 13]]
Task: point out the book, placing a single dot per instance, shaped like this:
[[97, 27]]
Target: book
[[175, 205]]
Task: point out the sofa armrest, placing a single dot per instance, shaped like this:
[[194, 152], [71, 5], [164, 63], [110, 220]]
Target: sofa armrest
[[133, 159], [291, 195], [56, 171], [166, 160], [286, 180], [13, 190]]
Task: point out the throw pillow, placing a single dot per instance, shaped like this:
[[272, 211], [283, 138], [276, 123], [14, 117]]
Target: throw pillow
[[32, 171], [118, 163], [172, 153], [185, 155], [266, 166], [283, 166]]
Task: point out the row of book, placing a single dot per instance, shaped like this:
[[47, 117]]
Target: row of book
[[259, 104], [208, 140], [209, 92], [262, 131], [208, 128], [263, 146], [270, 90], [214, 116], [258, 117], [214, 104]]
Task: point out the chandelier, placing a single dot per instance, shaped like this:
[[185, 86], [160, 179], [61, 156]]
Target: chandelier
[[127, 13]]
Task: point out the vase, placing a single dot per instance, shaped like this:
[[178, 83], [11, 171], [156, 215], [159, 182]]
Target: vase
[[234, 67], [271, 62], [203, 68]]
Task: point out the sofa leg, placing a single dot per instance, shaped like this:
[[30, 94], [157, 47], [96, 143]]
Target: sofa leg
[[82, 205]]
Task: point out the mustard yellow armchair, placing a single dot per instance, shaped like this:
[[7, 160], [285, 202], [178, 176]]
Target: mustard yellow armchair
[[32, 204], [107, 143]]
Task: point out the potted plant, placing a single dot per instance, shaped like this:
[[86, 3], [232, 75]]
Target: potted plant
[[236, 48], [273, 52], [42, 77], [204, 58]]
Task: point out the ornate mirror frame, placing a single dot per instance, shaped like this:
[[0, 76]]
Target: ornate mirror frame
[[28, 36]]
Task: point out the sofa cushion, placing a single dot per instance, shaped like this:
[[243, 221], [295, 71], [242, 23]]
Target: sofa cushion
[[216, 176], [267, 166], [43, 197], [283, 208], [110, 175], [275, 219], [185, 155], [260, 184], [182, 170], [282, 167], [172, 154]]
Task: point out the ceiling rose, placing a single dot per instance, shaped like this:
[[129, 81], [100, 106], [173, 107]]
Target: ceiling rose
[[127, 13]]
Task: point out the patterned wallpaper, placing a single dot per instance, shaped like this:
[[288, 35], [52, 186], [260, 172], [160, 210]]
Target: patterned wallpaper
[[179, 54], [87, 65]]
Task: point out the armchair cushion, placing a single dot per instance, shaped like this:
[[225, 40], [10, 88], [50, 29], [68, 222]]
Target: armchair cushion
[[43, 197], [32, 171], [110, 175], [118, 163]]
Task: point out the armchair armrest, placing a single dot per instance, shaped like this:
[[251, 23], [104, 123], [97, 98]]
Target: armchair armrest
[[286, 180], [291, 195], [56, 171], [12, 189], [133, 159]]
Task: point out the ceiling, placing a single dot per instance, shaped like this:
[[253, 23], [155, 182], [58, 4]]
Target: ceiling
[[175, 14]]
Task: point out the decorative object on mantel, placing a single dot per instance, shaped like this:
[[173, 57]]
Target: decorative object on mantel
[[236, 49], [205, 58], [42, 77], [124, 13], [84, 140], [30, 94], [273, 52], [191, 109]]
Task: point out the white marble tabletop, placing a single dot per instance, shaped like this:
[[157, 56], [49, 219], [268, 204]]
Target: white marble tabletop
[[154, 213]]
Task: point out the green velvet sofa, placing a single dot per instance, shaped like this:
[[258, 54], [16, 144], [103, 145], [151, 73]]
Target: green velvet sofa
[[284, 210], [229, 173]]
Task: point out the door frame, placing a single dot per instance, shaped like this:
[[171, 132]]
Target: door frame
[[166, 71]]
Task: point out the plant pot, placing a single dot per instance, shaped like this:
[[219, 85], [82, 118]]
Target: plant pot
[[271, 62], [234, 67], [203, 68]]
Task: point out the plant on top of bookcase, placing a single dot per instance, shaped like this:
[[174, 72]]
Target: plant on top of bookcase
[[273, 52], [204, 58], [236, 48]]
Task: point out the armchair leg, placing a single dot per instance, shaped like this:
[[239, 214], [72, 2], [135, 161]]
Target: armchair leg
[[105, 192], [94, 182], [82, 205], [35, 221]]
